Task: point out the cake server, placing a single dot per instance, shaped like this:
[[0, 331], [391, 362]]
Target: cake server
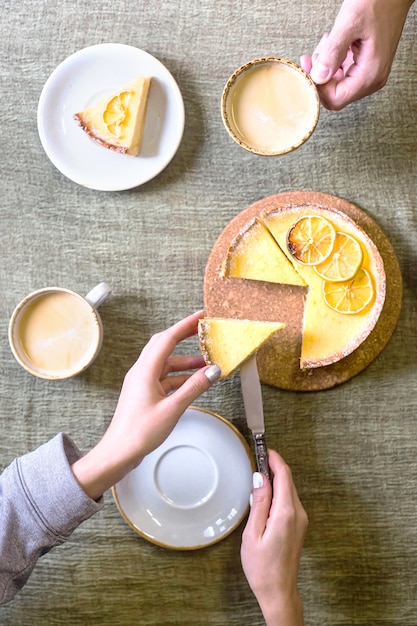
[[252, 400]]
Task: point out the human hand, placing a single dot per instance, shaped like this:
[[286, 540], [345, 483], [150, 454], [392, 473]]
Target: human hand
[[149, 406], [354, 60], [271, 545]]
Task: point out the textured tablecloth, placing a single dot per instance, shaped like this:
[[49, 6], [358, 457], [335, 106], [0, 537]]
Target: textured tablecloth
[[352, 449]]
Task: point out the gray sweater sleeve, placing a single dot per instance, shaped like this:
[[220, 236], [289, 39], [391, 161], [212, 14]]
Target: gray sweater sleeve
[[41, 504]]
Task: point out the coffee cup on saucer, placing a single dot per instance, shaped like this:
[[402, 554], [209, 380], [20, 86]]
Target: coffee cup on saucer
[[55, 333], [270, 106]]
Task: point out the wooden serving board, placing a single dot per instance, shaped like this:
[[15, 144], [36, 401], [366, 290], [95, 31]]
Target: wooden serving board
[[278, 360]]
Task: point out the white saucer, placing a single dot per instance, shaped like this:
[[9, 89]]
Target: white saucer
[[82, 79], [194, 489]]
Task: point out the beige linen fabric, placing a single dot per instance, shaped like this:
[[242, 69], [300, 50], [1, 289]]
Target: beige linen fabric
[[352, 449]]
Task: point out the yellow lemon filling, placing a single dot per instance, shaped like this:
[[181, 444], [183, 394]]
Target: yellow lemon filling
[[254, 254], [229, 342], [117, 121], [339, 314]]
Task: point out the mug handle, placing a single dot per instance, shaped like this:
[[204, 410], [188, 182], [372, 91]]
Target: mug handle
[[98, 294]]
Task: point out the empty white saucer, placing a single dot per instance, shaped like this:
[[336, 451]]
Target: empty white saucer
[[194, 489]]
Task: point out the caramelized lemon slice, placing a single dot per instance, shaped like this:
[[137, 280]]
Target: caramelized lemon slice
[[344, 261], [117, 121], [115, 113], [351, 296], [311, 239]]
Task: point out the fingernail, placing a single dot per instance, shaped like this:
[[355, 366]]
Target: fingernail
[[213, 373], [257, 480], [250, 499], [320, 73]]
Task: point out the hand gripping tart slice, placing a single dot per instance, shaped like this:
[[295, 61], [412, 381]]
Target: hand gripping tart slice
[[117, 121], [229, 342]]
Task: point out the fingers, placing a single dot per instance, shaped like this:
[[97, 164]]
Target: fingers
[[333, 49], [335, 93], [178, 332], [181, 364], [262, 502], [282, 481], [306, 63], [329, 64], [285, 498], [348, 83], [157, 361], [325, 60], [185, 327], [341, 91], [189, 387], [286, 505], [285, 492], [260, 506], [162, 344]]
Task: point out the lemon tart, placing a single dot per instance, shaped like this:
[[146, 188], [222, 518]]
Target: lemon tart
[[117, 121], [229, 342], [321, 266]]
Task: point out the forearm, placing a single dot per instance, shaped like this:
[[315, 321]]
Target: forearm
[[394, 9], [285, 612], [103, 467], [92, 476], [404, 5], [41, 505], [399, 7]]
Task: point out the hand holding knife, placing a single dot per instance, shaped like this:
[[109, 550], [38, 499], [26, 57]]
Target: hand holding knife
[[252, 400]]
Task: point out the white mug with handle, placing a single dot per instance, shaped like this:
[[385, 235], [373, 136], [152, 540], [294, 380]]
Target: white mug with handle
[[56, 333]]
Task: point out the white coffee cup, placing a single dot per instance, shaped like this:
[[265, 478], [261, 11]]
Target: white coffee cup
[[270, 106], [56, 333]]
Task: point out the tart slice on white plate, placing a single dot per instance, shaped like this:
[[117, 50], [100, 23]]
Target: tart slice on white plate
[[117, 121]]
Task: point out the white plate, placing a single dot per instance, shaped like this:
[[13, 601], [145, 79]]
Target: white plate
[[82, 79], [194, 489]]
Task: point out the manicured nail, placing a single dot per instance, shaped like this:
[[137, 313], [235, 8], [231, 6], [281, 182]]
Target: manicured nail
[[257, 480], [320, 73], [213, 373]]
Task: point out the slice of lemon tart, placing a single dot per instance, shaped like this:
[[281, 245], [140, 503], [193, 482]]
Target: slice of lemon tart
[[229, 342], [117, 121], [254, 254]]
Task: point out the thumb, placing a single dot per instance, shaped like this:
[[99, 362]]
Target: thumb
[[261, 498], [194, 386], [330, 54]]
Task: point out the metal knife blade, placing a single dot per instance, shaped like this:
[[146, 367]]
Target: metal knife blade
[[252, 400]]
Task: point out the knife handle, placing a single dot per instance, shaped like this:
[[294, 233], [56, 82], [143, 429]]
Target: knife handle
[[261, 452]]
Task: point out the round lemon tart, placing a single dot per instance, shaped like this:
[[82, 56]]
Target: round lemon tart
[[313, 263]]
